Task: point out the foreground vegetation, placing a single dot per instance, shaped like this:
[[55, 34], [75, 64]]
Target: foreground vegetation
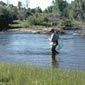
[[24, 75]]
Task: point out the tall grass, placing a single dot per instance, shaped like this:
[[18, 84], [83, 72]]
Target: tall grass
[[25, 75]]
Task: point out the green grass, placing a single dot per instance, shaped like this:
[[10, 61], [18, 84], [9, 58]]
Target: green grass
[[26, 75], [18, 24]]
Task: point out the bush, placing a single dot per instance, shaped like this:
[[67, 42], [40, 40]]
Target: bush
[[39, 19], [25, 24], [31, 20], [67, 24]]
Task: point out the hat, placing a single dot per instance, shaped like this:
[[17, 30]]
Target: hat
[[50, 30]]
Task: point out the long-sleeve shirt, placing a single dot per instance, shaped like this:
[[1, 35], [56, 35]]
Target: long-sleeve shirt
[[53, 38]]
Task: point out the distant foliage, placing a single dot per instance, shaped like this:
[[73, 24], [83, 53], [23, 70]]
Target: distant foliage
[[78, 9], [60, 14], [5, 18], [61, 7], [39, 19]]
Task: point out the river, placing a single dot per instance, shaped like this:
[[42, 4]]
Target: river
[[34, 49]]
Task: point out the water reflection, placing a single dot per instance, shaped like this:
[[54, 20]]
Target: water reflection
[[54, 61]]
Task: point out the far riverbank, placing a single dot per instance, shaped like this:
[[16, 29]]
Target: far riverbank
[[34, 31]]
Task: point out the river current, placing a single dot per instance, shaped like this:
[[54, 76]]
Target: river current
[[34, 49]]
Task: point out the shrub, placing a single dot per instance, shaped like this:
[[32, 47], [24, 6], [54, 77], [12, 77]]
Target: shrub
[[67, 24], [38, 19]]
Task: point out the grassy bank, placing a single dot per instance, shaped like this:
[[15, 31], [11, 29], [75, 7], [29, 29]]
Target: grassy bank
[[23, 26], [24, 75]]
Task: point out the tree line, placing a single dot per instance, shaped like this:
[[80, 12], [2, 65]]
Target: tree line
[[60, 13]]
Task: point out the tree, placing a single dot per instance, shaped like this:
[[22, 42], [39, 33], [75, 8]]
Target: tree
[[19, 4], [78, 9], [56, 6], [13, 11], [8, 2], [36, 10], [21, 14], [27, 3], [5, 18], [61, 7], [49, 9], [2, 3]]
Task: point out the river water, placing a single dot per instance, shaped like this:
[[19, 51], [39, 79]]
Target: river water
[[34, 49]]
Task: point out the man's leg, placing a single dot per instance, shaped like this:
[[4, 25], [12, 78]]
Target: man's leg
[[55, 47], [53, 50]]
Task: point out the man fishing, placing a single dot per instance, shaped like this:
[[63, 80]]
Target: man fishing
[[54, 36]]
